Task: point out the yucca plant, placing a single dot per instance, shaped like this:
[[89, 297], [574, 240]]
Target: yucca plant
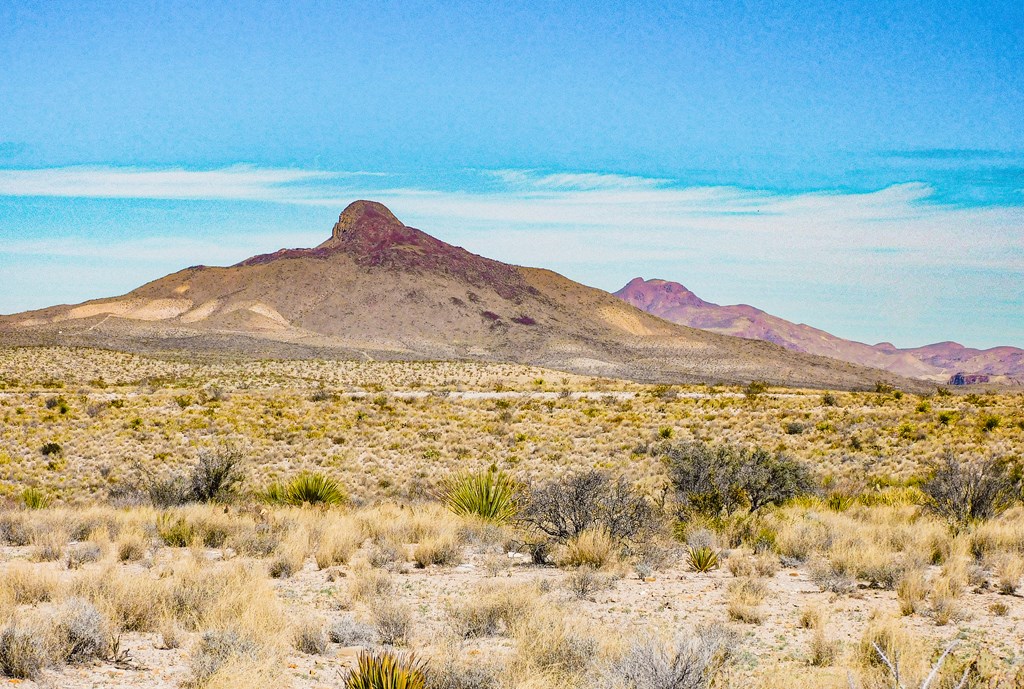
[[387, 670], [307, 489], [702, 559], [34, 499], [491, 495]]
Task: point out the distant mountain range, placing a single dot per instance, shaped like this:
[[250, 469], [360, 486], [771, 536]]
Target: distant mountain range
[[941, 362], [377, 289]]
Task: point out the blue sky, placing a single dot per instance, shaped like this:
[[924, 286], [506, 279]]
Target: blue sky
[[857, 167]]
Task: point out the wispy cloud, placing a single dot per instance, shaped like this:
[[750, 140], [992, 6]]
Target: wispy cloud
[[238, 182], [573, 181]]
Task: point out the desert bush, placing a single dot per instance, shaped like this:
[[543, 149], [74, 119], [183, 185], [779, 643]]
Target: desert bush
[[393, 622], [911, 591], [563, 509], [348, 631], [822, 650], [1009, 570], [444, 549], [216, 475], [586, 581], [310, 637], [387, 670], [547, 645], [217, 649], [366, 583], [337, 544], [24, 650], [23, 584], [721, 480], [81, 632], [174, 530], [82, 553], [832, 575], [685, 663], [966, 492], [132, 545], [491, 495]]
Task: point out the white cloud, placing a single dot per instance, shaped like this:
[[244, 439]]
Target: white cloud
[[573, 181], [238, 182]]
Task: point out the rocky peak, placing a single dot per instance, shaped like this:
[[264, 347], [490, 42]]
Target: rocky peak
[[360, 217]]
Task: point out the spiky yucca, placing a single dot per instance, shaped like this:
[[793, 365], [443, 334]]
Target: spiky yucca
[[702, 559], [491, 495], [387, 670], [34, 499], [306, 489]]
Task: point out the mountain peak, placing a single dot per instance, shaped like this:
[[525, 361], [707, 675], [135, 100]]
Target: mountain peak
[[645, 293], [361, 216]]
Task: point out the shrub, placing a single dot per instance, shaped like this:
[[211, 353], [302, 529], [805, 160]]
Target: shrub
[[490, 495], [962, 493], [24, 651], [831, 576], [81, 631], [174, 531], [443, 549], [393, 622], [721, 480], [348, 631], [586, 581], [387, 670], [215, 650], [216, 475], [82, 553], [49, 449], [703, 559], [687, 663], [563, 509], [310, 637]]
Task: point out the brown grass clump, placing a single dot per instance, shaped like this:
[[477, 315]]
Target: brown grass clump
[[592, 548], [743, 600], [24, 584]]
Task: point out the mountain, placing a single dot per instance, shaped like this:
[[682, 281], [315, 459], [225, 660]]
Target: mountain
[[377, 289], [936, 362]]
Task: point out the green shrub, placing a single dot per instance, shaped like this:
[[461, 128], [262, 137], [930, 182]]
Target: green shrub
[[51, 449], [491, 495], [387, 670]]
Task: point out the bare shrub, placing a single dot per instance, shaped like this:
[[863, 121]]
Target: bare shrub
[[81, 631], [685, 663], [310, 637], [393, 622], [348, 631], [215, 650], [966, 492], [24, 651], [585, 582], [216, 475]]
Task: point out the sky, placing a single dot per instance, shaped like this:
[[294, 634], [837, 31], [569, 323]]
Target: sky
[[857, 166]]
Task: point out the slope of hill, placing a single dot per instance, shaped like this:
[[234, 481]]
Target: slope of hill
[[379, 289], [938, 362]]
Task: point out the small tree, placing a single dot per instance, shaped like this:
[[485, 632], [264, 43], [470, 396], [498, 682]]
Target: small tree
[[962, 492], [721, 480]]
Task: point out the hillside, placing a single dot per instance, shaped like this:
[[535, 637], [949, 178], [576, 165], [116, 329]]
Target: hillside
[[937, 362], [377, 289]]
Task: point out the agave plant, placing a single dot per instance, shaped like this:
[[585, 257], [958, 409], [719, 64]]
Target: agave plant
[[702, 559], [491, 495], [387, 670]]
